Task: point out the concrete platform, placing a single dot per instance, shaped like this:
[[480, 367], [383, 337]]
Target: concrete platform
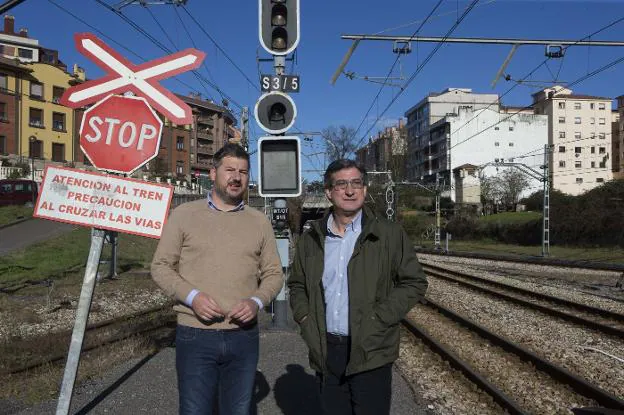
[[284, 384]]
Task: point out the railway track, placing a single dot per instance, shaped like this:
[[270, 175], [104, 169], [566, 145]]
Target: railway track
[[511, 374], [20, 355], [605, 321]]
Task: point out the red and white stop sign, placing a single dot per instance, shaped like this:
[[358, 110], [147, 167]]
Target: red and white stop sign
[[120, 134]]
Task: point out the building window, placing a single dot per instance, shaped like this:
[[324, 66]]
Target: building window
[[496, 144], [35, 149], [561, 120], [602, 150], [180, 143], [561, 134], [599, 180], [25, 53], [562, 105], [593, 164], [577, 105], [577, 120], [562, 149], [579, 180], [593, 150], [577, 134], [601, 121], [593, 135], [3, 112], [592, 120], [496, 128], [511, 128], [35, 118], [36, 90], [577, 164], [602, 164], [179, 167], [3, 144], [511, 144], [4, 82], [592, 105], [57, 93], [577, 150], [561, 163], [602, 136], [58, 121], [601, 106], [58, 152]]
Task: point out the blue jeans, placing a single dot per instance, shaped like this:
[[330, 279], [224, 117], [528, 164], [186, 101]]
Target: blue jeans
[[211, 361]]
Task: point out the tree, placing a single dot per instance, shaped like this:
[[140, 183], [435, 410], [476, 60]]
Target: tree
[[315, 186], [490, 193], [339, 141], [512, 183]]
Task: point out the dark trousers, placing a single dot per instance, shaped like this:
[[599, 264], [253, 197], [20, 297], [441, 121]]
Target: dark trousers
[[216, 362], [360, 394]]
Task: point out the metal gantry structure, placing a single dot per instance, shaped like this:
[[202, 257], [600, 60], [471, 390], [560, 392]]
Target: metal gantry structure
[[544, 177]]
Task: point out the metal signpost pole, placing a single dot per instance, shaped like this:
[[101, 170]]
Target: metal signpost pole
[[82, 315]]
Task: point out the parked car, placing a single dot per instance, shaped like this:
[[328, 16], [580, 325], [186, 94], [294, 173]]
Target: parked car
[[18, 192]]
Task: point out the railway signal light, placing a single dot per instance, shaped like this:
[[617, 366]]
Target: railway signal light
[[278, 25], [275, 112], [279, 163]]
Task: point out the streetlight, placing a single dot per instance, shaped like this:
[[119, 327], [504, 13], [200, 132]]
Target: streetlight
[[31, 145]]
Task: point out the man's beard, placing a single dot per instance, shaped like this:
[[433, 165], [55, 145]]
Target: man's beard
[[225, 197]]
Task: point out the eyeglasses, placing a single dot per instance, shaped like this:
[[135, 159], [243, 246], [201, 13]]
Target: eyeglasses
[[342, 184]]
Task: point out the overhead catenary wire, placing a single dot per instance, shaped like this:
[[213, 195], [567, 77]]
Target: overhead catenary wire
[[531, 72], [155, 41], [420, 67], [576, 82], [383, 84]]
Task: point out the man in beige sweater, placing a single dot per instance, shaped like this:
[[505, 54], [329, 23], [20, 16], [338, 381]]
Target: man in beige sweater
[[218, 259]]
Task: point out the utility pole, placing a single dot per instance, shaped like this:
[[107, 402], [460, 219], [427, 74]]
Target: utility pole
[[245, 128], [436, 240], [545, 179], [546, 213]]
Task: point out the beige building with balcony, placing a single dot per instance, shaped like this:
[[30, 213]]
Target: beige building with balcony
[[579, 131]]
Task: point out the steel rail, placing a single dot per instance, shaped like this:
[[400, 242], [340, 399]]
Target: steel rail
[[583, 307], [615, 331], [499, 396], [577, 383], [534, 260]]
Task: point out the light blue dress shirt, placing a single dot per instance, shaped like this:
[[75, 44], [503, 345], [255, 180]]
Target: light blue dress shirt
[[194, 292], [338, 252]]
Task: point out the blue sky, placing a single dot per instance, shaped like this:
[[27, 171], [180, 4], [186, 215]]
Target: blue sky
[[233, 25]]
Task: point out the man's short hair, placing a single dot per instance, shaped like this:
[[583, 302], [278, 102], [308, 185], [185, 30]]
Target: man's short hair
[[342, 164], [229, 150]]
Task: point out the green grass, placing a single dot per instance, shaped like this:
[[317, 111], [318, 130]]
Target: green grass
[[598, 254], [510, 217], [10, 214], [69, 252]]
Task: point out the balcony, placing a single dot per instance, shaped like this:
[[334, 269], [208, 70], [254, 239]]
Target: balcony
[[36, 123], [205, 135], [201, 165], [205, 150], [205, 120]]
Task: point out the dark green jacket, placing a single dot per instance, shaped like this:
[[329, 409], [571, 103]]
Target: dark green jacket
[[385, 282]]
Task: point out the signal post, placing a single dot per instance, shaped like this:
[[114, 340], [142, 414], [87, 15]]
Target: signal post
[[279, 155]]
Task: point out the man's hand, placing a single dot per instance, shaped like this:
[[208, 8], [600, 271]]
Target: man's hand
[[206, 307], [245, 311]]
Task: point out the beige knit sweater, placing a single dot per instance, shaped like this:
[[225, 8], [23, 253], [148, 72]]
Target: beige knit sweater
[[227, 255]]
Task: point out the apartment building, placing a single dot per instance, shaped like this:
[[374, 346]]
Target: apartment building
[[579, 130], [11, 73], [458, 128], [427, 112], [617, 134], [386, 152], [17, 45]]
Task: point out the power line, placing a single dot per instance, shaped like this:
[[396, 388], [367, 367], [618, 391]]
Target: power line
[[383, 84], [255, 85], [421, 66], [164, 48], [581, 79], [498, 100]]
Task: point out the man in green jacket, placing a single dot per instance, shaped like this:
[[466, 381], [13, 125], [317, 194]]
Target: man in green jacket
[[354, 277]]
